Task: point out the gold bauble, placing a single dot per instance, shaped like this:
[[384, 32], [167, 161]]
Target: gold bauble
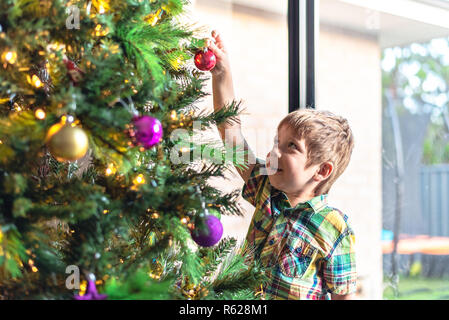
[[67, 143]]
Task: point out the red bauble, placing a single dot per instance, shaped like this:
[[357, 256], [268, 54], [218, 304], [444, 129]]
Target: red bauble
[[205, 60], [75, 73]]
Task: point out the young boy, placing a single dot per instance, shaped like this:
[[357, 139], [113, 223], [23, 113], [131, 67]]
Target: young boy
[[306, 246]]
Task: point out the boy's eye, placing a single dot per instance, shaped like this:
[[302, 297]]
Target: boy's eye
[[292, 145]]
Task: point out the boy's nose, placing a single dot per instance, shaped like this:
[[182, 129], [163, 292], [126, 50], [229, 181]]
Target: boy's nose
[[275, 151], [274, 154], [273, 160]]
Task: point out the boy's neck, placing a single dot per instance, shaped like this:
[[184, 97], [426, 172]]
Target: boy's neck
[[295, 199]]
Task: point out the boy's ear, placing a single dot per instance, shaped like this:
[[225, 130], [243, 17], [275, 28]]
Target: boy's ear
[[324, 171]]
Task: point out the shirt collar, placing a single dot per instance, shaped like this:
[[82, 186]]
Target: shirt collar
[[317, 203]]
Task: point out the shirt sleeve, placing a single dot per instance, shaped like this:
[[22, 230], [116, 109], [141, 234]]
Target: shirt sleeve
[[255, 183], [339, 272]]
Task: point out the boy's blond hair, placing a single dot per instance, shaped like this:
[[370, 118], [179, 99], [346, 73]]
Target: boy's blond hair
[[327, 136]]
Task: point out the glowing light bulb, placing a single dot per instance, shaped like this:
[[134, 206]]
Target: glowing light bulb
[[99, 31], [101, 5], [35, 81], [83, 288], [40, 114], [139, 179], [154, 18], [9, 57], [17, 107]]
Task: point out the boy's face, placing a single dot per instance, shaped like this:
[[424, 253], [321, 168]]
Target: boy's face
[[286, 163]]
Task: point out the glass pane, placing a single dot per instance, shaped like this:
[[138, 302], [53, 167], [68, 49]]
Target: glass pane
[[256, 37], [384, 66]]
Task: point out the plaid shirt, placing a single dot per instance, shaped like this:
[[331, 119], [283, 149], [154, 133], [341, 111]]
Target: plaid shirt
[[308, 250]]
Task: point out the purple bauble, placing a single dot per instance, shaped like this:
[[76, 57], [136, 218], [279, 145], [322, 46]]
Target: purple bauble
[[148, 131], [212, 235], [91, 293]]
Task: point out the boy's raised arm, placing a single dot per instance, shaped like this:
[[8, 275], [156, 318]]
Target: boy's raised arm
[[223, 94]]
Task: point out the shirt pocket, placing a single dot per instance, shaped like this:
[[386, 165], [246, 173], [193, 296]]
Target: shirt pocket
[[296, 258]]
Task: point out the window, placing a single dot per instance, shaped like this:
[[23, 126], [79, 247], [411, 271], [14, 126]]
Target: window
[[384, 66]]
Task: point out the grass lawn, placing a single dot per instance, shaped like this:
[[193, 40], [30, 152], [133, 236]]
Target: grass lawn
[[419, 289]]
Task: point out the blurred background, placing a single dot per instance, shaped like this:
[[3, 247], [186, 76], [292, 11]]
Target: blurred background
[[383, 65]]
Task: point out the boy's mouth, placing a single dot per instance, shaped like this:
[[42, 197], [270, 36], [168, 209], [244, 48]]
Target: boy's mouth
[[273, 169]]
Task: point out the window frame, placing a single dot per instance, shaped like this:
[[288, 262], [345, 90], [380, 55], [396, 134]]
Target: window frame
[[302, 38]]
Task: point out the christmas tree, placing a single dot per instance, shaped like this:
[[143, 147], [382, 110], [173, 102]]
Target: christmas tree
[[101, 175]]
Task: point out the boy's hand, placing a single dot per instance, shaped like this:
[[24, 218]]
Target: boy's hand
[[222, 67]]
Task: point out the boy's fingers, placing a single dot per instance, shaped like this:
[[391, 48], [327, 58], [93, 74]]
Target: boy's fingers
[[217, 51], [209, 41], [218, 39]]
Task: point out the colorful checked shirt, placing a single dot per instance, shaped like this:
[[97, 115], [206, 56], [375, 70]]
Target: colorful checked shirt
[[308, 250]]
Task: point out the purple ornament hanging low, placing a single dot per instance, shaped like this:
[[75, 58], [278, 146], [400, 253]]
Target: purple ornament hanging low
[[212, 234], [91, 293], [147, 131]]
